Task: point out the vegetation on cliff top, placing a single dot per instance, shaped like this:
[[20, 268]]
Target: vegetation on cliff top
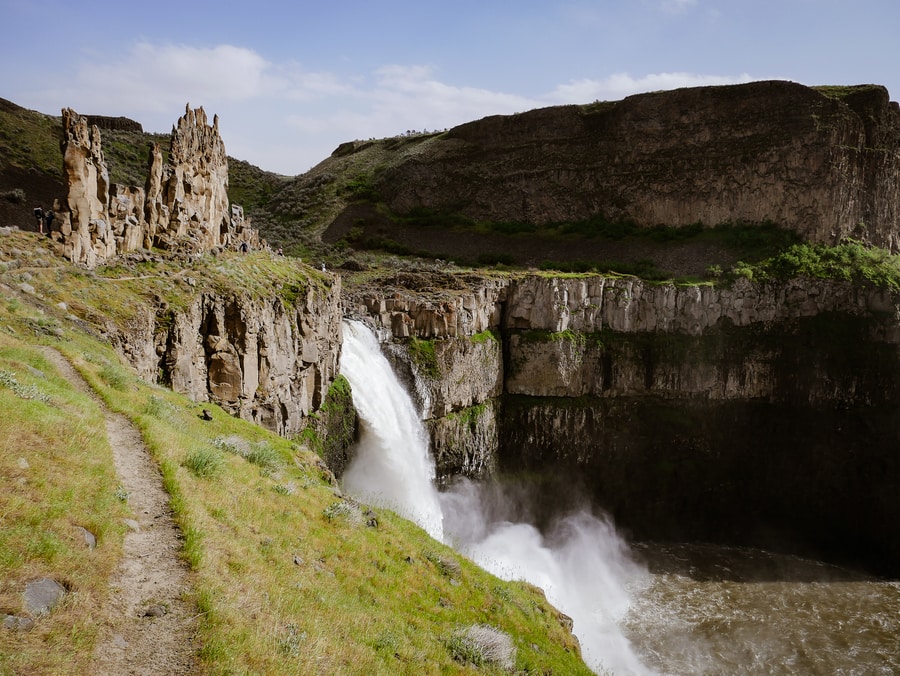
[[294, 212], [851, 261]]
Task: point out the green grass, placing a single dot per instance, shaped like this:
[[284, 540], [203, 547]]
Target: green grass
[[490, 335], [851, 261], [30, 140], [421, 351], [56, 476], [205, 462]]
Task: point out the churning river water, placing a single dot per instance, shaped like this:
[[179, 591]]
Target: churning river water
[[719, 610], [640, 608]]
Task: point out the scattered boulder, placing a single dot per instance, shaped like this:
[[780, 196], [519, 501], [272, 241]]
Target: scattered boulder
[[37, 373], [17, 623], [89, 538], [42, 595]]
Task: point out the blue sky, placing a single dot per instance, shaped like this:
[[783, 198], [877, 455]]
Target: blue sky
[[290, 81]]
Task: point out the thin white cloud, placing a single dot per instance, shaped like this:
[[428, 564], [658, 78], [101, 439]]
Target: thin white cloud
[[678, 6], [620, 85], [285, 118], [403, 98], [158, 76]]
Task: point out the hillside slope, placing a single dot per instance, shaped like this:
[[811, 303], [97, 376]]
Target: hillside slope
[[655, 184]]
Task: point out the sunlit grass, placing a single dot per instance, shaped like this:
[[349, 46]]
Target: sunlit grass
[[56, 477], [282, 587]]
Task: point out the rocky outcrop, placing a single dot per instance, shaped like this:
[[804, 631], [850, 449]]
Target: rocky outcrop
[[750, 414], [184, 204], [438, 335], [824, 162], [263, 359], [429, 305], [190, 197], [83, 229]]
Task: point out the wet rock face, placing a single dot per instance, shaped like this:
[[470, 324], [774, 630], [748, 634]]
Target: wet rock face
[[766, 151]]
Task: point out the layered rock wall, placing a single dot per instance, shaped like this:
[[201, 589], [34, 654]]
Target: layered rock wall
[[261, 359], [184, 204], [823, 162]]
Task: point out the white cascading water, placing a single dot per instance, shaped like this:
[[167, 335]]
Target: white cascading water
[[583, 566], [392, 467]]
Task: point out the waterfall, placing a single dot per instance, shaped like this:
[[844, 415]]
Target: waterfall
[[583, 566], [392, 467]]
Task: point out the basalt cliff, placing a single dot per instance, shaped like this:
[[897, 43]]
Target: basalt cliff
[[752, 414], [820, 162], [264, 350]]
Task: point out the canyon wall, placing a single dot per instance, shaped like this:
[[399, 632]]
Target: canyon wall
[[266, 360], [184, 204], [752, 414], [824, 162]]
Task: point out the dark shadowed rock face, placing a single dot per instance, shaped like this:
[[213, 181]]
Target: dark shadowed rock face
[[751, 414], [115, 123], [824, 162]]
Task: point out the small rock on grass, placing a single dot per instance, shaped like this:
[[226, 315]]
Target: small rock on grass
[[89, 539], [42, 595], [16, 623]]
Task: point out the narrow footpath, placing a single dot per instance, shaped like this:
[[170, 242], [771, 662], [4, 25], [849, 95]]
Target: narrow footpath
[[150, 620]]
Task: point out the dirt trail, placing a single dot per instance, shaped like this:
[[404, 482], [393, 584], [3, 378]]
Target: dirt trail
[[150, 623]]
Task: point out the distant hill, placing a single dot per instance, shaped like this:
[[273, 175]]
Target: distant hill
[[667, 184]]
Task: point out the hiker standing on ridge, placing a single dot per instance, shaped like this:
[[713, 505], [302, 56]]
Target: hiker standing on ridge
[[39, 216], [48, 220]]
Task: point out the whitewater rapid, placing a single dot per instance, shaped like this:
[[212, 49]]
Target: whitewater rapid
[[705, 609]]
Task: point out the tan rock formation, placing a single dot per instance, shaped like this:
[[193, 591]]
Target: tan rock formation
[[183, 205], [84, 229], [260, 359], [193, 194]]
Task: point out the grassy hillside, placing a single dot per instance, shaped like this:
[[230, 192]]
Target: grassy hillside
[[288, 576]]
